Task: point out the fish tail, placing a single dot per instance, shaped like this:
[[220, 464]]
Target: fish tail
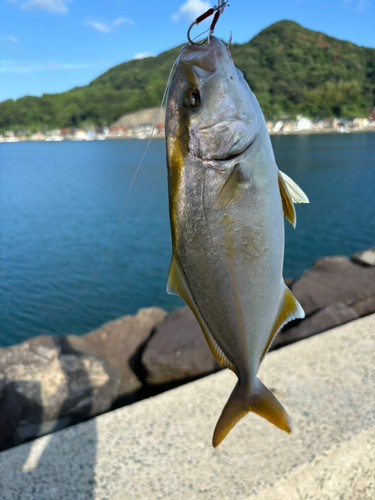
[[261, 401]]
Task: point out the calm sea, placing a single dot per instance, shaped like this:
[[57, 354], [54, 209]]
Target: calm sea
[[60, 206]]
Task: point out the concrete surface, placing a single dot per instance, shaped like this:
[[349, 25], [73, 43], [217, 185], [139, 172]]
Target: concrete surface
[[161, 447]]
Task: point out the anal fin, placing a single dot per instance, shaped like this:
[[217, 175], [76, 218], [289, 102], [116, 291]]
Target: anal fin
[[176, 283], [177, 286], [290, 309]]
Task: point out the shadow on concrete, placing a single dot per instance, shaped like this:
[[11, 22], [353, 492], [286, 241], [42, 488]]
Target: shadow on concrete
[[45, 469]]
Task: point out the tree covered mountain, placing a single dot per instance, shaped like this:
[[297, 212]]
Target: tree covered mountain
[[290, 69]]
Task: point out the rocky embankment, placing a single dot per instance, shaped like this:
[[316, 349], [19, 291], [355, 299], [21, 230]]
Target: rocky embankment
[[50, 382]]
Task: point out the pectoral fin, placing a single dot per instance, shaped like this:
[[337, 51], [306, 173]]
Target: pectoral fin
[[234, 187], [290, 309], [296, 193], [287, 202]]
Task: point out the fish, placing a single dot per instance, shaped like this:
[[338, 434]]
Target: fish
[[227, 201]]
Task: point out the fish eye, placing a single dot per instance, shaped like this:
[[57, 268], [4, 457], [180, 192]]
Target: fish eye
[[192, 99]]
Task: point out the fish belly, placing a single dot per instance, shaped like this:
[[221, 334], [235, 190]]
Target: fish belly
[[232, 261]]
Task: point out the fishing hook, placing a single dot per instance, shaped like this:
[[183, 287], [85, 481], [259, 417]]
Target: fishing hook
[[217, 11]]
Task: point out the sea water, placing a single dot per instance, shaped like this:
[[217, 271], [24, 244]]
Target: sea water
[[71, 258]]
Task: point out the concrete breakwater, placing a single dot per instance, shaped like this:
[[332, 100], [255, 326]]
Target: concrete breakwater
[[51, 382], [160, 448]]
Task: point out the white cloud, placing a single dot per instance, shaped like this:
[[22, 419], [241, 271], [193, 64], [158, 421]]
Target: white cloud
[[122, 20], [364, 4], [103, 28], [55, 6], [359, 4], [31, 67], [142, 55], [190, 10], [9, 38], [106, 27]]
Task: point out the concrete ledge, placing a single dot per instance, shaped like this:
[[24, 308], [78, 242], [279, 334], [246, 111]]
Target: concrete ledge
[[161, 447]]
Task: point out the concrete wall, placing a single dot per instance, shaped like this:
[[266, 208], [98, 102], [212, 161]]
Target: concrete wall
[[161, 447]]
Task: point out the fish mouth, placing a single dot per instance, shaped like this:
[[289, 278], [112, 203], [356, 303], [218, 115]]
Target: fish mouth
[[237, 155]]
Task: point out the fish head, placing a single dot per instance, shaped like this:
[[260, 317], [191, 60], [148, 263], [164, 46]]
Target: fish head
[[211, 111]]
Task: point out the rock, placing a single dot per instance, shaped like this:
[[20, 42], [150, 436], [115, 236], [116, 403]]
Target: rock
[[332, 280], [289, 282], [26, 432], [323, 320], [120, 341], [177, 350], [365, 258], [362, 306], [48, 378]]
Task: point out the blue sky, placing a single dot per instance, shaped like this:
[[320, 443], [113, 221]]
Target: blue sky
[[49, 46]]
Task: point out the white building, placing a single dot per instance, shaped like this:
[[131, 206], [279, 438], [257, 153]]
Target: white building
[[303, 123]]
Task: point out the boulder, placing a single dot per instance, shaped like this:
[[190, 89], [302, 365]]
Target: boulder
[[177, 350], [332, 280], [289, 282], [365, 305], [365, 258], [121, 341], [51, 379], [326, 318]]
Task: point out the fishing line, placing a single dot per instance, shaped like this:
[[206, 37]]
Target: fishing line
[[122, 214], [114, 241], [218, 10], [118, 231]]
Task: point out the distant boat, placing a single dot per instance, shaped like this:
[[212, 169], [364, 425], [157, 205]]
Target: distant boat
[[141, 135], [343, 130]]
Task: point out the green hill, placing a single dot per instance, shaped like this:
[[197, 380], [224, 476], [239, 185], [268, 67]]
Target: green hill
[[290, 69]]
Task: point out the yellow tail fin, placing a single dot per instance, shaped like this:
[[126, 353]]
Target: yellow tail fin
[[261, 401]]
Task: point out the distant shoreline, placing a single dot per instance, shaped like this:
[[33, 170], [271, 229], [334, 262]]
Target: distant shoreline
[[317, 132], [14, 140]]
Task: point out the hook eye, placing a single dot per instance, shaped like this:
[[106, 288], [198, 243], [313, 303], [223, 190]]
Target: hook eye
[[216, 11], [201, 42]]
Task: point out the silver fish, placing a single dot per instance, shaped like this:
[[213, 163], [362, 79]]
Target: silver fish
[[227, 198]]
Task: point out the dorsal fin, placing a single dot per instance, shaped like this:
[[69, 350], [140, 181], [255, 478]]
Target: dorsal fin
[[290, 309], [296, 193], [286, 199], [177, 286]]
